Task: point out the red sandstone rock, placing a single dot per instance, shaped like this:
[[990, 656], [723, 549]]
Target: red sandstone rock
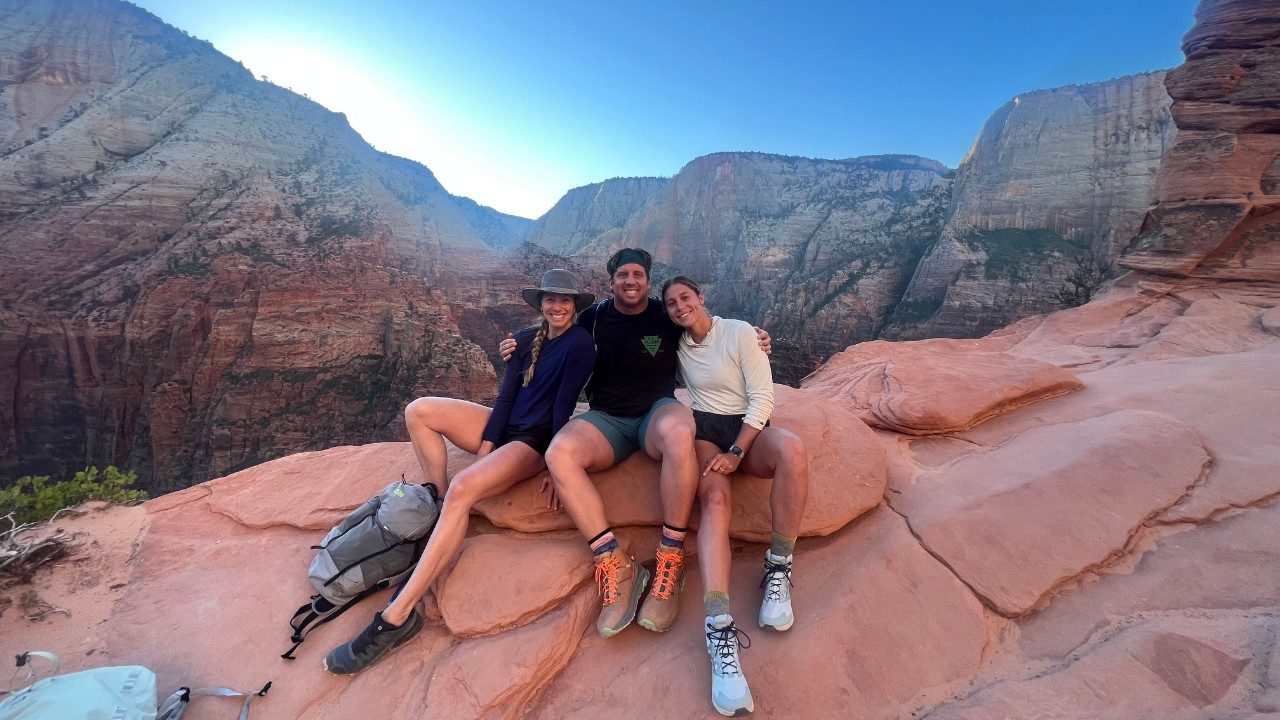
[[1217, 188], [200, 271], [502, 675], [893, 385], [1158, 669], [905, 625], [196, 584], [502, 582], [846, 479], [1016, 520]]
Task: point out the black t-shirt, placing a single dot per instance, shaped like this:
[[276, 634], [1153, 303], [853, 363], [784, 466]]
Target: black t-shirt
[[635, 358]]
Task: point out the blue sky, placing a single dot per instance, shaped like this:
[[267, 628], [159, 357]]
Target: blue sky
[[513, 103]]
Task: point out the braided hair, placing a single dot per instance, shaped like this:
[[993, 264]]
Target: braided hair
[[543, 328]]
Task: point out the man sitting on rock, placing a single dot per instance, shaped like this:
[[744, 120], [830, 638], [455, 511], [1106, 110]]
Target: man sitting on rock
[[633, 406]]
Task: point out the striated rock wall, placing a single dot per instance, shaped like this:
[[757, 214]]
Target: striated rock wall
[[816, 251], [1055, 184], [592, 214], [200, 271], [1220, 183], [824, 253]]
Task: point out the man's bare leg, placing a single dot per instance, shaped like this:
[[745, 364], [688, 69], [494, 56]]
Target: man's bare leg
[[669, 438], [577, 449]]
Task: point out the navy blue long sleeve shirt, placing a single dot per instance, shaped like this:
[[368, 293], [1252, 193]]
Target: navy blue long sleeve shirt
[[564, 364]]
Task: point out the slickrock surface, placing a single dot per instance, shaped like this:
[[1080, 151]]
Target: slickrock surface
[[1124, 531], [896, 386], [1057, 182], [1047, 504], [536, 575], [189, 257]]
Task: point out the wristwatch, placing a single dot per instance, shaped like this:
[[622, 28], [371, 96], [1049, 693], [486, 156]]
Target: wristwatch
[[736, 451]]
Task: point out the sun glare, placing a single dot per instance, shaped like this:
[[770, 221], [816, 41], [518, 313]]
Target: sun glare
[[414, 122]]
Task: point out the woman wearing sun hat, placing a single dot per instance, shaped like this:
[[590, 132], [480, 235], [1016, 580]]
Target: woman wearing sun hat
[[539, 391]]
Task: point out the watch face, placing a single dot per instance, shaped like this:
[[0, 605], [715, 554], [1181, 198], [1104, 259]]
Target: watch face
[[735, 450]]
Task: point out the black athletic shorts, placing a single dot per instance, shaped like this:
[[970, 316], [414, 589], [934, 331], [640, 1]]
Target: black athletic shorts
[[719, 430], [537, 437]]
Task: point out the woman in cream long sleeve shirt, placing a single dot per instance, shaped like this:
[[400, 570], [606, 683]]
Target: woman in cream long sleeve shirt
[[731, 388]]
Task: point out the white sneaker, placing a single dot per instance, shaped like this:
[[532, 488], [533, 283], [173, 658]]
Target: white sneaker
[[775, 608], [729, 692]]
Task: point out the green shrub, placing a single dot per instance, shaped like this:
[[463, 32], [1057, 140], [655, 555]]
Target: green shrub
[[33, 498]]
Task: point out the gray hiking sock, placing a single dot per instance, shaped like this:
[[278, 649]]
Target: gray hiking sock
[[782, 546], [716, 603]]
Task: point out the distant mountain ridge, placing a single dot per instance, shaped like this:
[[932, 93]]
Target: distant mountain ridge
[[200, 271], [826, 253]]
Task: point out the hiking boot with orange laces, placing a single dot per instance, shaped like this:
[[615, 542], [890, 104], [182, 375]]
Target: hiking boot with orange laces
[[663, 601], [621, 581]]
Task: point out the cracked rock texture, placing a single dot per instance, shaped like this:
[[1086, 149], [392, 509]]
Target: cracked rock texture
[[1108, 552]]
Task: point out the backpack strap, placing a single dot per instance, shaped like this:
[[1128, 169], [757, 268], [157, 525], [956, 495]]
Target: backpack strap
[[313, 618], [176, 704], [24, 661]]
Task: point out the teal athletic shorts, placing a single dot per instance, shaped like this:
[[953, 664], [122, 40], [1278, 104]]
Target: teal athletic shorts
[[625, 434]]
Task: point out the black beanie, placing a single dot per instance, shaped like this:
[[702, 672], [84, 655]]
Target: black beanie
[[629, 255]]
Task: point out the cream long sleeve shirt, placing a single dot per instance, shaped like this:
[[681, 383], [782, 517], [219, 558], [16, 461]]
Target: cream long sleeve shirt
[[727, 373]]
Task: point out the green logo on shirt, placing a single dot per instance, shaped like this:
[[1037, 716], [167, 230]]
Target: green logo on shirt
[[652, 343]]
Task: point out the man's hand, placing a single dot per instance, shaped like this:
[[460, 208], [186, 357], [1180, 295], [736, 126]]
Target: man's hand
[[486, 447], [723, 463], [765, 343], [507, 347]]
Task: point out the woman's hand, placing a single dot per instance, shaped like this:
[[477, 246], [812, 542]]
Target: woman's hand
[[553, 501], [507, 347], [723, 463], [486, 447]]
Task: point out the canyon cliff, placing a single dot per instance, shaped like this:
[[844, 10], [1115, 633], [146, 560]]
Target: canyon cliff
[[816, 251], [199, 271], [1056, 184], [196, 264], [823, 253]]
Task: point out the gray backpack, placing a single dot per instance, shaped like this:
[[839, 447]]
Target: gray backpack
[[374, 548]]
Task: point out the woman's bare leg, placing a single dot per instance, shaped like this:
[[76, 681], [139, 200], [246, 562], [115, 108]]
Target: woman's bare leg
[[432, 419], [713, 528], [491, 475], [781, 455]]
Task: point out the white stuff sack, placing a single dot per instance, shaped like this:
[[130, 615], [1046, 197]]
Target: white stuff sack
[[110, 693]]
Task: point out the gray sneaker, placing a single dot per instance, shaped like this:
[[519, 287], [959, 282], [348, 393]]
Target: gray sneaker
[[729, 692], [374, 643], [776, 614]]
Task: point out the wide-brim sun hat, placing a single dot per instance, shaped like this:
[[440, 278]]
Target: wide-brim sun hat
[[558, 281]]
